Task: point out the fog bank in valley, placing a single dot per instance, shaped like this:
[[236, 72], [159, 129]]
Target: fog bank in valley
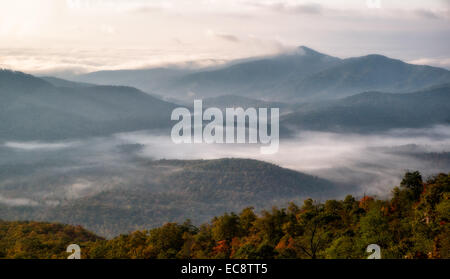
[[374, 162], [47, 173]]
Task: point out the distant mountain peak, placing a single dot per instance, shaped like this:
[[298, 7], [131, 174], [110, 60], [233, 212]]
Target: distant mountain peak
[[375, 59], [375, 55], [20, 80], [378, 57], [304, 50]]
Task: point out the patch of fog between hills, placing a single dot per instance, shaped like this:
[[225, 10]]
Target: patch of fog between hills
[[17, 201], [374, 162], [46, 173], [36, 145], [52, 173]]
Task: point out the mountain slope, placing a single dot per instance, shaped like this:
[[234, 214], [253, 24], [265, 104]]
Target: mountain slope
[[297, 76], [34, 240], [33, 109], [368, 73], [310, 76], [375, 111], [58, 82], [253, 79], [148, 80], [233, 101], [167, 191]]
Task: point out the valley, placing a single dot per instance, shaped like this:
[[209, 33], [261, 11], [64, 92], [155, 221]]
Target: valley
[[96, 151]]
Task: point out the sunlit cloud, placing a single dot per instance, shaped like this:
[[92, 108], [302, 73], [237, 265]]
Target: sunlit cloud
[[56, 36], [281, 7], [437, 62], [223, 36]]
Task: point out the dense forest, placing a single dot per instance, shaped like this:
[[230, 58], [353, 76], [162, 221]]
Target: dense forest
[[414, 223], [144, 194]]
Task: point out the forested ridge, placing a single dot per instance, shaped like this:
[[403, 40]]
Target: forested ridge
[[413, 223], [170, 191]]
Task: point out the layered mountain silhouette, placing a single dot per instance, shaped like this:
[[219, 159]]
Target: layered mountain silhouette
[[148, 80], [314, 92], [300, 75], [255, 79], [34, 109], [324, 92], [375, 111], [233, 101], [368, 73], [58, 82]]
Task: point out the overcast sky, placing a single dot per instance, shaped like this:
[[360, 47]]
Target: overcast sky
[[49, 36]]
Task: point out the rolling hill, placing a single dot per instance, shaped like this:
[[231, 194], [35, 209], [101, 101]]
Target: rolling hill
[[34, 240], [59, 82], [253, 79], [375, 111], [233, 101], [172, 191], [367, 73], [148, 80], [34, 109]]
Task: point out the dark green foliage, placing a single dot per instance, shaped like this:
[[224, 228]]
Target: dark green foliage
[[413, 182]]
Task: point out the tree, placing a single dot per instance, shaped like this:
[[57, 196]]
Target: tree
[[413, 182], [247, 217], [312, 219], [226, 227]]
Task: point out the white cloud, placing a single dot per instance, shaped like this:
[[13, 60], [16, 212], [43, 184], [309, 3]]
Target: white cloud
[[17, 201], [223, 36], [30, 146], [50, 36], [437, 62], [281, 7], [108, 29]]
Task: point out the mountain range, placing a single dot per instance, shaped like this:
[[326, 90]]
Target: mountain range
[[32, 108], [112, 193], [300, 75], [374, 112]]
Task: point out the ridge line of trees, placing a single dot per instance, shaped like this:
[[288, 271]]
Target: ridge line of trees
[[413, 224]]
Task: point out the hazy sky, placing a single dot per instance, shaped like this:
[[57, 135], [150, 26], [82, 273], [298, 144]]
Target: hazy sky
[[86, 35]]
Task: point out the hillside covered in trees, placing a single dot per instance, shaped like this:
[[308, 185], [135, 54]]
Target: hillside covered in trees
[[414, 223], [166, 191]]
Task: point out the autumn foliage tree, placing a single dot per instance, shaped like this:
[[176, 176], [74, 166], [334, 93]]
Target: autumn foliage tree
[[413, 223]]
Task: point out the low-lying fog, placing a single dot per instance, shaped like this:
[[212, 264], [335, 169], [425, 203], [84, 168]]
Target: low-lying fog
[[374, 163]]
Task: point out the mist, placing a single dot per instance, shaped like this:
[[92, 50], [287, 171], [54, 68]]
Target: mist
[[48, 173], [38, 145], [373, 162]]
